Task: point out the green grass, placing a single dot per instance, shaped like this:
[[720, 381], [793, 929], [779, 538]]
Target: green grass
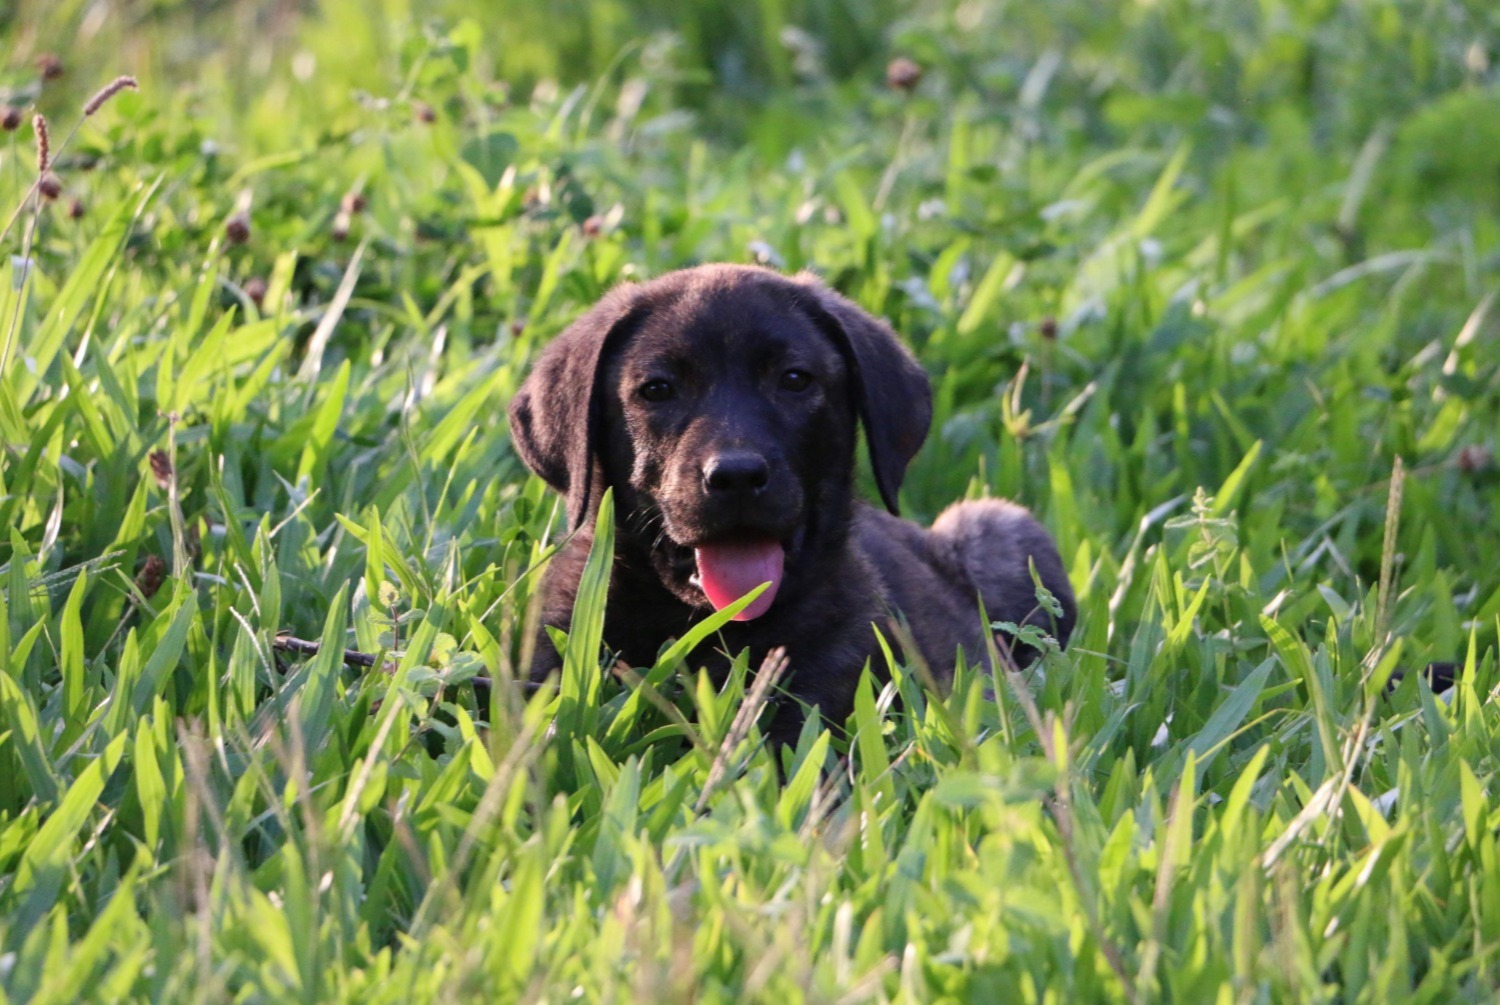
[[1190, 278]]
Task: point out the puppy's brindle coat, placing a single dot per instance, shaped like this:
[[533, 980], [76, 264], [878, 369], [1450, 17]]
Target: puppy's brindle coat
[[721, 404]]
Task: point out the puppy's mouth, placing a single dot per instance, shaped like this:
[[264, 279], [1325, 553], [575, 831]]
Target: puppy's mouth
[[720, 567], [729, 569]]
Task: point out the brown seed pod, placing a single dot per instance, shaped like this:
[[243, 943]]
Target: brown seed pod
[[161, 468], [1049, 328], [50, 186], [43, 142], [1473, 457], [237, 228], [75, 208], [424, 112], [49, 66], [255, 289], [109, 91], [903, 74], [153, 573], [10, 119], [353, 203], [593, 226]]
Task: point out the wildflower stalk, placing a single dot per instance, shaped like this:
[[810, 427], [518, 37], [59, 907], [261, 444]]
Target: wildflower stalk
[[46, 156]]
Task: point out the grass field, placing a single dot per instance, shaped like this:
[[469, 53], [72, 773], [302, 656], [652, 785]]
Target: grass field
[[1210, 285]]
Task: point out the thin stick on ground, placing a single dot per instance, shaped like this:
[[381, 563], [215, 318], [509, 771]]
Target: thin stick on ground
[[772, 669], [302, 647], [355, 658], [1388, 553]]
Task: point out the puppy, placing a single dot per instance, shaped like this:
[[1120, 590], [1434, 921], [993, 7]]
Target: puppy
[[722, 405]]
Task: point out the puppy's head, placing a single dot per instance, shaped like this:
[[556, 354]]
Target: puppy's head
[[721, 404]]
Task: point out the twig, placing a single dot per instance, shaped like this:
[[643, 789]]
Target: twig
[[302, 647], [770, 673], [1388, 554], [355, 658]]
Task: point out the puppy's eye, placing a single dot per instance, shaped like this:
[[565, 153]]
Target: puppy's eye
[[796, 380], [657, 391]]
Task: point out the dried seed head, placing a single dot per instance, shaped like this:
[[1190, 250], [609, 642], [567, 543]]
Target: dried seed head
[[1049, 328], [1473, 457], [340, 229], [161, 468], [255, 289], [353, 203], [593, 226], [50, 186], [49, 66], [903, 74], [424, 112], [75, 208], [110, 90], [517, 326], [43, 142], [152, 574], [10, 120], [237, 228]]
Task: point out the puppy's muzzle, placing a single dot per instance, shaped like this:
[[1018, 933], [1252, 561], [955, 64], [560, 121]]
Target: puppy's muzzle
[[735, 473]]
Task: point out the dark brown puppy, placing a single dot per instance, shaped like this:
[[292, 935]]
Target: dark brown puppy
[[721, 404]]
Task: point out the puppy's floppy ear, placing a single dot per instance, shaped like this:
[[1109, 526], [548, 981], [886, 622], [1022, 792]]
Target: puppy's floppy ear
[[892, 392], [554, 417]]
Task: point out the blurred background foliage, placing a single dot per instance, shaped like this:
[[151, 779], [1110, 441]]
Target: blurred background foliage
[[1298, 140]]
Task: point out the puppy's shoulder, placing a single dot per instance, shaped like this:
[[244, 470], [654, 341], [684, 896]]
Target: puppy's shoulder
[[874, 530], [905, 556]]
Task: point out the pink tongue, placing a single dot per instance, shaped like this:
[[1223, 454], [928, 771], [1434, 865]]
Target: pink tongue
[[729, 571]]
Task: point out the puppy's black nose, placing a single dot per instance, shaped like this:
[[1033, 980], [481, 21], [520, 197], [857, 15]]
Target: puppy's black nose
[[736, 471]]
